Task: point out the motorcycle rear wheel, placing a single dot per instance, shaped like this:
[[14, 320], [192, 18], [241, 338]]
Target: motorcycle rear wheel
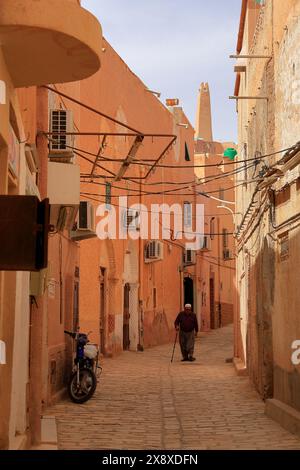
[[86, 388]]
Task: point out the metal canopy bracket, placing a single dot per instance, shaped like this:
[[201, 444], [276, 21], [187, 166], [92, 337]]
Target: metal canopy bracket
[[245, 56], [99, 154], [139, 137], [130, 157], [248, 98]]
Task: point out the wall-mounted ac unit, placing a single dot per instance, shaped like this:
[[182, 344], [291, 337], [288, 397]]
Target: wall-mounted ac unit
[[227, 254], [206, 243], [153, 251], [189, 257], [60, 144], [84, 228]]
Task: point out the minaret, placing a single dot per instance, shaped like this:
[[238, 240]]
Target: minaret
[[203, 117]]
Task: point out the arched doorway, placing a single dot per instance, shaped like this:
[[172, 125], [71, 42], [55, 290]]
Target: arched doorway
[[131, 335], [188, 284], [102, 278], [126, 318]]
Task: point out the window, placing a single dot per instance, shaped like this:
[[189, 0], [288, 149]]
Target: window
[[187, 214], [189, 257], [225, 238], [212, 228], [154, 297], [284, 246], [206, 245], [108, 196], [187, 154]]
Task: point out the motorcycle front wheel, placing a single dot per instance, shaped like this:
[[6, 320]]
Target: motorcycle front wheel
[[84, 390]]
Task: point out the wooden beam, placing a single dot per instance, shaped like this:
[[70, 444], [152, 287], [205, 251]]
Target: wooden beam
[[248, 98], [240, 68], [246, 56]]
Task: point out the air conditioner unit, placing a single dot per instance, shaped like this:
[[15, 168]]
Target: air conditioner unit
[[131, 219], [206, 243], [189, 257], [61, 145], [227, 254], [84, 228], [153, 251]]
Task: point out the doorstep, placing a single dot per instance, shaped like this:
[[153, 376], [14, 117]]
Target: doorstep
[[48, 434], [285, 415], [240, 367]]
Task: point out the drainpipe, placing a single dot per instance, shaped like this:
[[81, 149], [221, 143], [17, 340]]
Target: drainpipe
[[140, 346], [240, 42], [219, 274], [242, 26], [38, 311]]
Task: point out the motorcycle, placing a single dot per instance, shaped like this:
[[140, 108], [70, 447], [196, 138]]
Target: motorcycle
[[86, 370]]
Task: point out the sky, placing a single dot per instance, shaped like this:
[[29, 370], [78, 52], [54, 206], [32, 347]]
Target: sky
[[174, 45]]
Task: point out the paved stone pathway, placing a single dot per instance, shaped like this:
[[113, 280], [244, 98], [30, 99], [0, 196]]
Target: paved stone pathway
[[145, 402]]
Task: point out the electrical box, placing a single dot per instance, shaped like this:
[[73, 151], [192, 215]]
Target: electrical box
[[63, 193], [24, 227], [38, 282]]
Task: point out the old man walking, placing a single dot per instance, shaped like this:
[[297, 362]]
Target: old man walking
[[187, 324]]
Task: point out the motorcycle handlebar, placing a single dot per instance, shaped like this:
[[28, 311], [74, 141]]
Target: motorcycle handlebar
[[70, 333]]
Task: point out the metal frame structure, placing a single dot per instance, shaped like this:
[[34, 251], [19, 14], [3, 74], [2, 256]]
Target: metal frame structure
[[125, 162]]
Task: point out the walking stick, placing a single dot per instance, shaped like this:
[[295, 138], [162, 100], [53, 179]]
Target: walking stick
[[174, 345]]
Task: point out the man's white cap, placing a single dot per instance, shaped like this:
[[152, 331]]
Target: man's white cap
[[188, 306]]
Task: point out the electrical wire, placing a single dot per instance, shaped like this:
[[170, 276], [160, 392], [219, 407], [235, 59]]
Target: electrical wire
[[179, 245], [166, 193], [143, 163], [170, 191], [155, 212], [219, 264], [218, 164], [190, 184], [204, 179]]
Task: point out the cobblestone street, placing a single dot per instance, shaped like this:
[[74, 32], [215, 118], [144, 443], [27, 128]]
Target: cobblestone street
[[145, 402]]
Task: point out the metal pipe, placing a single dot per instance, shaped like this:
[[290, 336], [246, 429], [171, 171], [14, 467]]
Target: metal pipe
[[121, 134], [246, 56], [248, 98], [99, 154], [242, 26], [160, 157], [93, 110]]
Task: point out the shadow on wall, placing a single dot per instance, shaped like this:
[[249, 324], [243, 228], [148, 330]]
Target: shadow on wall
[[156, 329], [273, 320], [259, 330]]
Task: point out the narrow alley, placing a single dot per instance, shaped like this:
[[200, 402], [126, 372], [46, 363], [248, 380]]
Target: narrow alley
[[149, 184], [145, 402]]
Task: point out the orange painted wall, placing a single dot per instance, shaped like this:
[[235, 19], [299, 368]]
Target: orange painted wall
[[211, 263], [118, 92]]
